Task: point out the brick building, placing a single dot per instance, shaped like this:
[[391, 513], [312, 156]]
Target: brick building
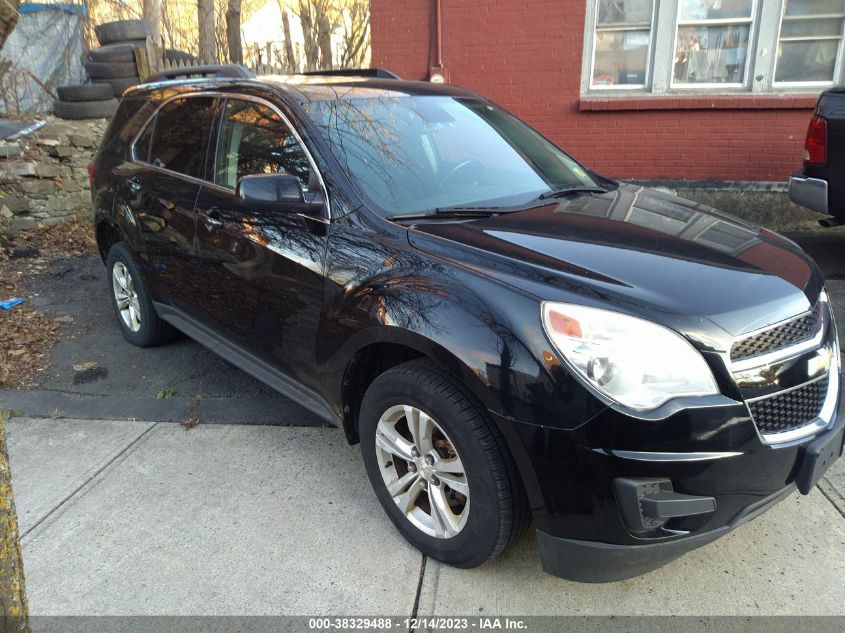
[[640, 89]]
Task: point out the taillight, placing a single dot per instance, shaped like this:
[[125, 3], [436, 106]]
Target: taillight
[[91, 174], [815, 147]]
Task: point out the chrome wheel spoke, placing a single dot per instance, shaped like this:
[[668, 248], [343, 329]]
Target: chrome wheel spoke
[[408, 500], [445, 522], [451, 465], [421, 428], [458, 483], [389, 440], [400, 485]]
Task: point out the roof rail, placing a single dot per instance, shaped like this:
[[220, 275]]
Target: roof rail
[[232, 71], [379, 73]]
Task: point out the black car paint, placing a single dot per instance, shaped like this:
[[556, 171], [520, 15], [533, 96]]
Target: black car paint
[[311, 297]]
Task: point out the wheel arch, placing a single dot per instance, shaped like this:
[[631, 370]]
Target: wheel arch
[[382, 348]]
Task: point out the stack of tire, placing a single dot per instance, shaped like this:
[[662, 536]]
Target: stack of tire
[[86, 101], [111, 68], [113, 64]]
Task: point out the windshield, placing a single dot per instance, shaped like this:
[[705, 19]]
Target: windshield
[[411, 154]]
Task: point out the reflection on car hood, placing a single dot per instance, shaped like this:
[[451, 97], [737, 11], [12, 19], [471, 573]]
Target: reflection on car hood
[[641, 250]]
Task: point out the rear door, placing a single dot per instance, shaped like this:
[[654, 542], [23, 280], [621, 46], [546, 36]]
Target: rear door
[[264, 266], [168, 166]]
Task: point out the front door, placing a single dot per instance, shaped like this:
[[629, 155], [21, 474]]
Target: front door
[[264, 266]]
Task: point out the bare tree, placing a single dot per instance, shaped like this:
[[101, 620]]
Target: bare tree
[[233, 32], [305, 11], [8, 18], [291, 60], [152, 14], [207, 40], [356, 34]]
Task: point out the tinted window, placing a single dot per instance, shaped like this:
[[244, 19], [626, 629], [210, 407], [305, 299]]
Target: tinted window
[[142, 145], [181, 134], [255, 140]]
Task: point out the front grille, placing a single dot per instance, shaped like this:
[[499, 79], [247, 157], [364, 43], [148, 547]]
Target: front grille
[[790, 410], [784, 335]]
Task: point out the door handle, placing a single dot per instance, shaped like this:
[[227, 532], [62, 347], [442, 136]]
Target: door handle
[[211, 218]]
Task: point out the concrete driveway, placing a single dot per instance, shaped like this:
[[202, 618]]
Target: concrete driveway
[[143, 518]]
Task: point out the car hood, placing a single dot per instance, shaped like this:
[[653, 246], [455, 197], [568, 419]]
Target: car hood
[[640, 251]]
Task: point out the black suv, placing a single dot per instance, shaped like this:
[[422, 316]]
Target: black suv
[[507, 334]]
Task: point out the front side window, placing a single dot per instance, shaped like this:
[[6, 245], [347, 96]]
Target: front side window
[[712, 41], [409, 154], [255, 140], [622, 42], [810, 41], [180, 135]]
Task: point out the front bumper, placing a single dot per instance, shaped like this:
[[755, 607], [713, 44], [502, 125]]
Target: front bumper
[[809, 192], [586, 561], [583, 526]]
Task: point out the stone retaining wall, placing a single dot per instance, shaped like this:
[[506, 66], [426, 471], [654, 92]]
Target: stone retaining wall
[[44, 176]]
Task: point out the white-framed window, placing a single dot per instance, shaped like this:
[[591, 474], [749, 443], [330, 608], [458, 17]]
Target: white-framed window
[[712, 42], [810, 42], [622, 43], [713, 46]]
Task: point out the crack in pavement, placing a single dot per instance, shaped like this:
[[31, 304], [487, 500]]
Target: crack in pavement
[[88, 480]]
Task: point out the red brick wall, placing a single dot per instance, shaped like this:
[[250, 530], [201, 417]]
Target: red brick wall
[[527, 57]]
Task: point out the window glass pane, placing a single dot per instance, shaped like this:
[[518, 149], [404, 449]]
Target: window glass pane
[[255, 140], [711, 54], [811, 28], [624, 12], [142, 145], [806, 61], [181, 134], [714, 9], [814, 7], [621, 57]]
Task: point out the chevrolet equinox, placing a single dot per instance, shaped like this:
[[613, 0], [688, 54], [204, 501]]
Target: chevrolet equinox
[[509, 335]]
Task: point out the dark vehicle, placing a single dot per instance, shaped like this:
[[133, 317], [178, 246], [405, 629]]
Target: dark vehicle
[[821, 186], [508, 334]]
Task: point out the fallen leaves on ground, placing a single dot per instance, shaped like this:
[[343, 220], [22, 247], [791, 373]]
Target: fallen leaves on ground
[[26, 335], [73, 238]]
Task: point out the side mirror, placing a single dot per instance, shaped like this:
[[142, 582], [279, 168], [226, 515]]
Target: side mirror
[[271, 188]]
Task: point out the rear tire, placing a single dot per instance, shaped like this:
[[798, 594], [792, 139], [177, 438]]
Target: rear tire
[[132, 303], [461, 440]]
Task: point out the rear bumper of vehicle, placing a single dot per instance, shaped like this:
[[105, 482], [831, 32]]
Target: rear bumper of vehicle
[[809, 192]]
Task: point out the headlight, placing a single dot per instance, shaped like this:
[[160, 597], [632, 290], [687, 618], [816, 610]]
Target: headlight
[[634, 362]]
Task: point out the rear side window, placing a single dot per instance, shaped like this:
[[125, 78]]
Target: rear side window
[[178, 137], [255, 140], [141, 151]]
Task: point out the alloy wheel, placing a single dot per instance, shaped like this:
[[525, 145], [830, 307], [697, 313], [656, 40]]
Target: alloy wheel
[[422, 471], [126, 296]]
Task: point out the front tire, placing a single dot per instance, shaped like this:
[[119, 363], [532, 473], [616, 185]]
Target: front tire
[[438, 467], [132, 303]]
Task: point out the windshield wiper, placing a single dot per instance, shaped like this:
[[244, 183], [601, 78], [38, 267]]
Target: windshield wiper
[[450, 212], [565, 191]]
